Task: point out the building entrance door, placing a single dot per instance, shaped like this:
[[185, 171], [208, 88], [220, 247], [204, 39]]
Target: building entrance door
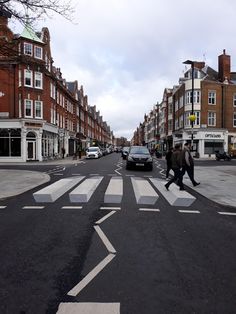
[[31, 150]]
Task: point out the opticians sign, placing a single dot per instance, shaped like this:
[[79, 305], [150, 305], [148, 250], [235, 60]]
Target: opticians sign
[[213, 135]]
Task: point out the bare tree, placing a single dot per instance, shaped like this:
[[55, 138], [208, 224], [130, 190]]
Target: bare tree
[[30, 11]]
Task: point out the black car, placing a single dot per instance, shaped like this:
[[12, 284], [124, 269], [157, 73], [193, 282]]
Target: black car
[[139, 156], [125, 151]]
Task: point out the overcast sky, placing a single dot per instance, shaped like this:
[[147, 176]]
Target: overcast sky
[[125, 52]]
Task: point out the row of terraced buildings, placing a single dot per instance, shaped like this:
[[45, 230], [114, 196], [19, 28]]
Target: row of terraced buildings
[[213, 106], [41, 114]]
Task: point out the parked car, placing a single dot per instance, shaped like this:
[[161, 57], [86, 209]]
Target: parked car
[[125, 151], [222, 156], [140, 157], [93, 152]]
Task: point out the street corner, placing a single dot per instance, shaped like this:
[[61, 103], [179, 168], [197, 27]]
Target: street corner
[[15, 182]]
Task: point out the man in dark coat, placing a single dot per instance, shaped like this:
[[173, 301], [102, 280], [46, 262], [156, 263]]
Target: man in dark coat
[[188, 164], [168, 162], [177, 163]]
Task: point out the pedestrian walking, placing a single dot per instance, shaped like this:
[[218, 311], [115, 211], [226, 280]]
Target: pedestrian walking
[[168, 162], [177, 162], [188, 164], [63, 151]]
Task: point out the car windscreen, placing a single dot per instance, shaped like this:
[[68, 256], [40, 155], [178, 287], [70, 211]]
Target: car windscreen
[[139, 150], [93, 149]]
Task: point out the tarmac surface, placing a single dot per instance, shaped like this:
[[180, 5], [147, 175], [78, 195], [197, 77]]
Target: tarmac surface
[[216, 183]]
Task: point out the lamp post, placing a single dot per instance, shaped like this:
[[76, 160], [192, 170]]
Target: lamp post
[[192, 117]]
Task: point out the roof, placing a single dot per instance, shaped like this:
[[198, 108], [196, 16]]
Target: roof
[[30, 34]]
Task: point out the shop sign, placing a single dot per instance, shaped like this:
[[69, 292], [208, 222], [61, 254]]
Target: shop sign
[[213, 135]]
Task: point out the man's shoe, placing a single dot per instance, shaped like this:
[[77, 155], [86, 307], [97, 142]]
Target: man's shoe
[[196, 183], [167, 186]]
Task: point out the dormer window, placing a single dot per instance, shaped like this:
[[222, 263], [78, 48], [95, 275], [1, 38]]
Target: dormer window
[[28, 49], [38, 52]]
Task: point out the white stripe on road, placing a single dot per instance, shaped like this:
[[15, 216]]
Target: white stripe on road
[[105, 217], [149, 209], [72, 207], [2, 207], [33, 207], [227, 213], [86, 280], [105, 240], [89, 308], [110, 208], [189, 211]]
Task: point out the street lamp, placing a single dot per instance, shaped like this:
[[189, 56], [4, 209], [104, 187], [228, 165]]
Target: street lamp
[[192, 117]]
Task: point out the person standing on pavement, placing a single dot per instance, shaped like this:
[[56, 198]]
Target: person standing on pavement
[[168, 162], [177, 163], [188, 164]]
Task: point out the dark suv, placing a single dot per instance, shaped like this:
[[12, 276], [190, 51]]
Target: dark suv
[[139, 156]]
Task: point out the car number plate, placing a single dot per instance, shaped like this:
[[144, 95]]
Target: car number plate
[[139, 164]]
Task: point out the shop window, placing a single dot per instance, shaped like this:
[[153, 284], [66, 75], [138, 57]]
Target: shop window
[[10, 142]]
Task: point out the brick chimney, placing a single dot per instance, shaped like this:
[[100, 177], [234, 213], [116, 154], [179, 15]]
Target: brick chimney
[[224, 67], [5, 32]]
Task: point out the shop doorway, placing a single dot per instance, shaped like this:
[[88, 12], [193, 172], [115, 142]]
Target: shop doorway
[[31, 146]]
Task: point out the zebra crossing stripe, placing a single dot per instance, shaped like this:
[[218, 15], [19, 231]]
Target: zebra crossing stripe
[[114, 191], [174, 196], [88, 308], [85, 190], [144, 192], [55, 190]]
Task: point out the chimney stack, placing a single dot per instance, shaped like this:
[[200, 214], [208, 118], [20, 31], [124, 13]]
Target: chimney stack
[[224, 67]]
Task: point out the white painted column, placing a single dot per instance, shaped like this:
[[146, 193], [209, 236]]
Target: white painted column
[[39, 145], [23, 145]]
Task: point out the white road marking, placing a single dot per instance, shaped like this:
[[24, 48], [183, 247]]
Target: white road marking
[[33, 207], [118, 172], [110, 208], [189, 211], [75, 174], [2, 207], [89, 308], [105, 240], [94, 174], [227, 213], [149, 209], [72, 207], [86, 280], [105, 217]]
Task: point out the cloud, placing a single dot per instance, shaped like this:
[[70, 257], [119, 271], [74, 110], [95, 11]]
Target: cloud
[[126, 52]]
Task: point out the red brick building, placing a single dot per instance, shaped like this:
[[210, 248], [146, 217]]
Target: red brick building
[[40, 113]]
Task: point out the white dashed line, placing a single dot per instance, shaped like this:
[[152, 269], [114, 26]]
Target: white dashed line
[[189, 211], [227, 213], [110, 208], [72, 207], [149, 209], [33, 207], [2, 207]]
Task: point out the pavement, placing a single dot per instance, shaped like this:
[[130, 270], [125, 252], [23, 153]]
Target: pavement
[[216, 183]]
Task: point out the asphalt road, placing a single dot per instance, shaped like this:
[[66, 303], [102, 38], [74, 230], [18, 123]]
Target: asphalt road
[[165, 261]]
